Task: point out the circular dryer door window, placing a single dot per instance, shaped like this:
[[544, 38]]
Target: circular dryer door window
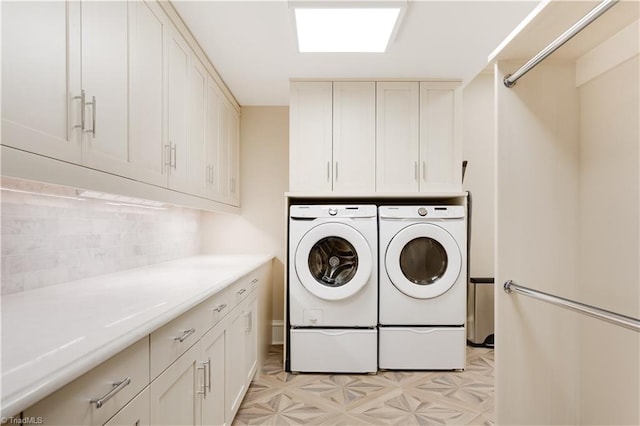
[[423, 261], [333, 261]]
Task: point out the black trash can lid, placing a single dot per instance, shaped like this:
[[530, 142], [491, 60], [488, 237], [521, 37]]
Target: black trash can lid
[[482, 280]]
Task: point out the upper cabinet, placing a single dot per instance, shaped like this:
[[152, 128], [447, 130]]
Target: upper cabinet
[[375, 137], [332, 137], [310, 137], [440, 161], [148, 35], [40, 78], [354, 136], [117, 87], [397, 131], [105, 86]]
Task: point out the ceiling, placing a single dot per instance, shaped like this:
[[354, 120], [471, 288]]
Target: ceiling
[[252, 44]]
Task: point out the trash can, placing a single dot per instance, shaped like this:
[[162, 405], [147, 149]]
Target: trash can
[[480, 330]]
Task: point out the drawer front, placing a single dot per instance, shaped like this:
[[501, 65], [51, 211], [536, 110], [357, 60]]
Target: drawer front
[[216, 307], [239, 290], [422, 348], [71, 404], [136, 413], [334, 350], [173, 339]]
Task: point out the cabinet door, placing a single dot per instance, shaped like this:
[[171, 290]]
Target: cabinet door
[[234, 157], [177, 71], [397, 137], [224, 123], [440, 142], [310, 136], [147, 29], [174, 394], [105, 70], [212, 139], [354, 137], [251, 340], [235, 363], [213, 355], [40, 77], [196, 108], [135, 413]]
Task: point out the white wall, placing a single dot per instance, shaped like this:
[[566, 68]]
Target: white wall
[[609, 247], [537, 225], [48, 240], [479, 151], [568, 223], [264, 177]]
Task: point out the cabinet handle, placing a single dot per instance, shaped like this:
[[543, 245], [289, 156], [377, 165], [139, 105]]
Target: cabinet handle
[[253, 281], [83, 105], [203, 367], [94, 107], [167, 155], [185, 334], [328, 171], [209, 373], [219, 308], [174, 150], [249, 322], [117, 387], [415, 170], [208, 174], [241, 291], [336, 171], [424, 171]]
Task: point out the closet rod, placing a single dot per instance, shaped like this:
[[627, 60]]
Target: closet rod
[[596, 12], [592, 311]]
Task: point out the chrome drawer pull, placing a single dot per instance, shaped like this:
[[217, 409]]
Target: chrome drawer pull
[[117, 387], [220, 307], [242, 290], [185, 334], [253, 281]]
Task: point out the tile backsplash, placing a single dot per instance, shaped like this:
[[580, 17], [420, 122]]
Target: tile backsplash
[[50, 236]]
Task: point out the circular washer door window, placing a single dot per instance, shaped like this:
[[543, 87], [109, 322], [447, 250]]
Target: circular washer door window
[[333, 261], [423, 261]]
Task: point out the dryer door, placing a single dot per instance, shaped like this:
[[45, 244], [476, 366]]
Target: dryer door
[[333, 261], [423, 261]]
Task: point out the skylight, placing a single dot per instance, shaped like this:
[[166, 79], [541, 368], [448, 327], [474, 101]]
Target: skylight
[[345, 29]]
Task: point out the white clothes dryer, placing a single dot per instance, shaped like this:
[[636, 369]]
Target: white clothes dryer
[[423, 281], [333, 288]]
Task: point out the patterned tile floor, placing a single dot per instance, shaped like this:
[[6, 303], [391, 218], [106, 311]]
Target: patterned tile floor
[[387, 398]]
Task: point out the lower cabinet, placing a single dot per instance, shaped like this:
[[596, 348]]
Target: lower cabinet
[[206, 385], [200, 384], [214, 356], [135, 413], [241, 352], [176, 393]]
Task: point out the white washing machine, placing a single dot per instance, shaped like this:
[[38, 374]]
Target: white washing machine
[[333, 288], [423, 281]]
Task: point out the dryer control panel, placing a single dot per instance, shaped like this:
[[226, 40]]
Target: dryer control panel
[[422, 212], [323, 211]]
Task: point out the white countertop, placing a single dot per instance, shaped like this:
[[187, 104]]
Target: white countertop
[[53, 335]]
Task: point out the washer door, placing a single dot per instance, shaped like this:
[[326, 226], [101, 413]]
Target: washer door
[[423, 261], [333, 261]]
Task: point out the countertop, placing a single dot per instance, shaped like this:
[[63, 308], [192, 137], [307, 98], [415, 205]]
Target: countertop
[[53, 335]]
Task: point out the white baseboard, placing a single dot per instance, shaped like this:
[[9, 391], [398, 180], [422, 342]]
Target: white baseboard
[[277, 332]]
